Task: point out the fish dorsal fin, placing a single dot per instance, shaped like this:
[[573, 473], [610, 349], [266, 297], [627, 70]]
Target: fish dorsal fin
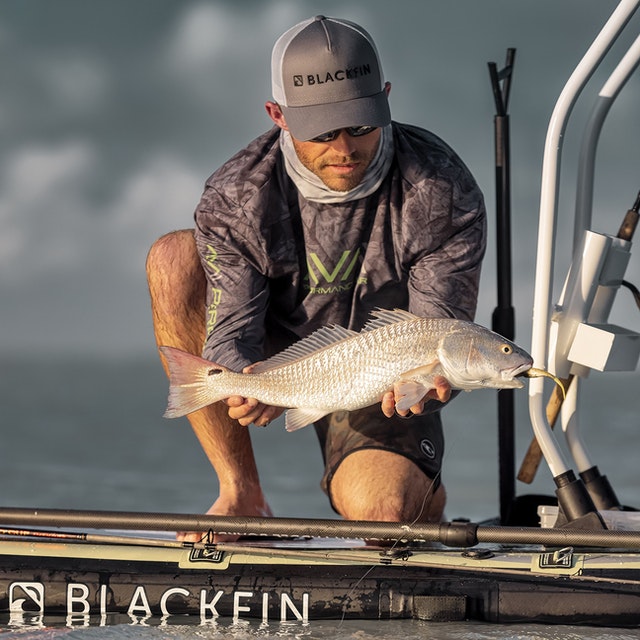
[[383, 317], [320, 339]]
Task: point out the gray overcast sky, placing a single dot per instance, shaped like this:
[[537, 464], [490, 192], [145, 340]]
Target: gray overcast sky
[[113, 113]]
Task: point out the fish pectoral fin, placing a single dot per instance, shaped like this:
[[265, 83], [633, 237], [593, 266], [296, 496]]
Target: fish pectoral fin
[[420, 372], [414, 385], [409, 392], [295, 419]]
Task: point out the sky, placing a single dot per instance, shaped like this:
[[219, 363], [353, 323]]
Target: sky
[[113, 113]]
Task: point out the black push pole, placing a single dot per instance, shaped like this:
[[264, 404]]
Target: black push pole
[[503, 319], [452, 534]]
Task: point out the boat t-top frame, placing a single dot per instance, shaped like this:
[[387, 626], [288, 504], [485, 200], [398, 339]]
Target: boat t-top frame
[[574, 337]]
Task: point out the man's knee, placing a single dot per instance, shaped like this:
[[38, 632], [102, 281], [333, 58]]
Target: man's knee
[[177, 287], [171, 250], [380, 485], [174, 271]]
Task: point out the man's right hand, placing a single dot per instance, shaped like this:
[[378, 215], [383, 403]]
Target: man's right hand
[[248, 410]]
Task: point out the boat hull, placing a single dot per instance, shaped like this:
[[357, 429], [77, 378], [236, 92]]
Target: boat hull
[[307, 582]]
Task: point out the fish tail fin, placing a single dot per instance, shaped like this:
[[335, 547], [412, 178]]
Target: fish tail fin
[[189, 386]]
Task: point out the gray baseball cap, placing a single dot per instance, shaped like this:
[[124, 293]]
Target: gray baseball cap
[[325, 75]]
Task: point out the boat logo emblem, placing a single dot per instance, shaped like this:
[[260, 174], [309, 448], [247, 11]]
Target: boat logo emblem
[[24, 596], [561, 558], [206, 555], [427, 448]]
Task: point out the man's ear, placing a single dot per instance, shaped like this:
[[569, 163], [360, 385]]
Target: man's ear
[[275, 113]]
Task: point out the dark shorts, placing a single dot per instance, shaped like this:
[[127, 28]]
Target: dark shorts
[[419, 438]]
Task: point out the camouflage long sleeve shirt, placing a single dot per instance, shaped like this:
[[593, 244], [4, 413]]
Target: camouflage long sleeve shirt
[[279, 266]]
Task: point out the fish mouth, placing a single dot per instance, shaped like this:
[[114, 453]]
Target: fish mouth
[[511, 378], [520, 370]]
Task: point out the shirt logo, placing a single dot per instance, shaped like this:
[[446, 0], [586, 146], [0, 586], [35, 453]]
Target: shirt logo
[[333, 280]]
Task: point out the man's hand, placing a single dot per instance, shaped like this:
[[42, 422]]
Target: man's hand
[[442, 392], [248, 410]]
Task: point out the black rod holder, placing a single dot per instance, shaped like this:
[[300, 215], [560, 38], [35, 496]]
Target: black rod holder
[[503, 318]]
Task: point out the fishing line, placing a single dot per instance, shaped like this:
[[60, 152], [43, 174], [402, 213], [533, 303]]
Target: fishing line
[[388, 550], [451, 447]]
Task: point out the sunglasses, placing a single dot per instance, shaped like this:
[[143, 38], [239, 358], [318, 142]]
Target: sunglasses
[[354, 132]]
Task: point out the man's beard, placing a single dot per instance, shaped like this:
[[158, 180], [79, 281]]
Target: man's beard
[[321, 167]]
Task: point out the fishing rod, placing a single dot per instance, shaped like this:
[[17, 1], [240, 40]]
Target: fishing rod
[[451, 534], [95, 538]]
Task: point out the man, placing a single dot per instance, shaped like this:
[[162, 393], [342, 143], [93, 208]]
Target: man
[[333, 212]]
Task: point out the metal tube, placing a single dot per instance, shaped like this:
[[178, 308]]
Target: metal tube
[[569, 417], [462, 534], [586, 166], [547, 223]]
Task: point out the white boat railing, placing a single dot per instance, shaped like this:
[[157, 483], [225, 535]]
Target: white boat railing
[[599, 309], [544, 354]]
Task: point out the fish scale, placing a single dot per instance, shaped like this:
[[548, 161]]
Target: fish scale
[[356, 371]]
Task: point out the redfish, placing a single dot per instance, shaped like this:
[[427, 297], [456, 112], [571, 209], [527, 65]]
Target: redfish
[[340, 369]]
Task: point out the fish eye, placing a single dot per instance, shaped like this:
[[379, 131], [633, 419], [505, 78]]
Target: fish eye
[[506, 349]]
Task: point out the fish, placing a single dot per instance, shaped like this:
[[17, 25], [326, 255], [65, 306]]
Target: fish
[[336, 368]]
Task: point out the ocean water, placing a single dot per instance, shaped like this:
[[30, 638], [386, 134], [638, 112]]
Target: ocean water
[[88, 433]]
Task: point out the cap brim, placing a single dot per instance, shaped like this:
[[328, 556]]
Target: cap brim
[[308, 122]]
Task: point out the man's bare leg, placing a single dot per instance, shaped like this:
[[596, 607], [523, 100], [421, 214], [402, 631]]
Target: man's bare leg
[[177, 286], [378, 485]]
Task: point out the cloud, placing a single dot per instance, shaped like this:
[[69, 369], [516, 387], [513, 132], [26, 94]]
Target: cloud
[[212, 43], [74, 84], [202, 34], [42, 203], [51, 222], [160, 197]]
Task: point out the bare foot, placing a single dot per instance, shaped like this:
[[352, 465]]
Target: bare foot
[[221, 508]]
